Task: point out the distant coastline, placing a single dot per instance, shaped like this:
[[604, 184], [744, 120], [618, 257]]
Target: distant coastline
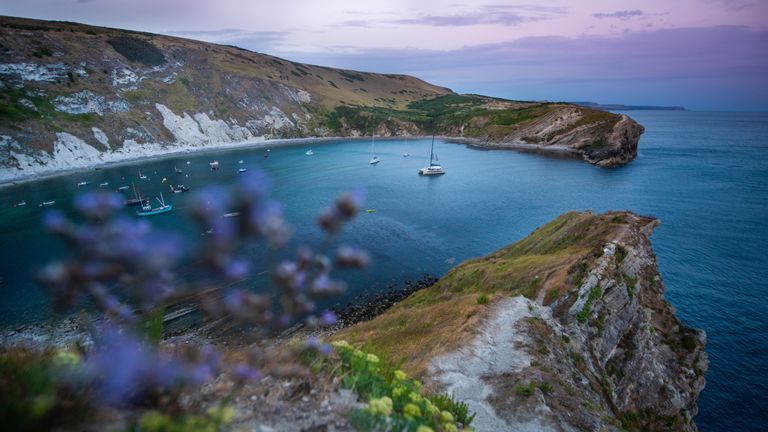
[[621, 107]]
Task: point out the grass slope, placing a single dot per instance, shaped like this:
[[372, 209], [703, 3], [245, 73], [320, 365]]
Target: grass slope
[[440, 318]]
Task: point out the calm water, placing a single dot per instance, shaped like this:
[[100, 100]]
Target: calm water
[[705, 175]]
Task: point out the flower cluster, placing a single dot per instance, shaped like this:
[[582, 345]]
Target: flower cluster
[[395, 401], [129, 271]]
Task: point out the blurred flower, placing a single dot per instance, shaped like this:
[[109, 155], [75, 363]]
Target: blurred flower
[[381, 406], [411, 411], [352, 257]]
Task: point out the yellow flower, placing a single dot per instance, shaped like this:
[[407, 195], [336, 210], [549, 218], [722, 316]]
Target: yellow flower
[[415, 398], [400, 375], [372, 358], [424, 429], [359, 353], [432, 409], [450, 427], [340, 344], [382, 405], [398, 391], [68, 358], [411, 411], [446, 417], [224, 414]]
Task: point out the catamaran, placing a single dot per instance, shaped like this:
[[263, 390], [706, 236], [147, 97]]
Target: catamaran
[[147, 210], [434, 168], [374, 159]]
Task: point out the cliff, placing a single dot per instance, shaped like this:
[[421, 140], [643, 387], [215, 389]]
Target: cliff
[[565, 330], [73, 95]]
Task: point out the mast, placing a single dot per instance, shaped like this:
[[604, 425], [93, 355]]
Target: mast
[[432, 151]]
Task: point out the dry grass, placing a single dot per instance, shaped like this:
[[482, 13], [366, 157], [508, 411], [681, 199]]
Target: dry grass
[[445, 316]]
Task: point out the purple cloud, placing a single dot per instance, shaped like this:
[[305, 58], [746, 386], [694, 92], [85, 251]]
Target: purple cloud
[[622, 15], [506, 15]]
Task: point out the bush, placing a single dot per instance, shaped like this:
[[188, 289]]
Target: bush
[[526, 391], [482, 299], [137, 50], [395, 401]]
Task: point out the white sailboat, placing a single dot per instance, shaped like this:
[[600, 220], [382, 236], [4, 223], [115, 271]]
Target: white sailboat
[[434, 168], [374, 159]]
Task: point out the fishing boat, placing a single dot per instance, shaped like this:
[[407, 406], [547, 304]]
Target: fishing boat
[[21, 204], [122, 188], [142, 176], [309, 152], [242, 170], [434, 168], [104, 184], [214, 165], [147, 210], [374, 159], [178, 171], [47, 203], [137, 199], [82, 183]]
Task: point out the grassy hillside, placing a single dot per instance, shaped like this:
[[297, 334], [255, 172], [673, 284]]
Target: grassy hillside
[[439, 319]]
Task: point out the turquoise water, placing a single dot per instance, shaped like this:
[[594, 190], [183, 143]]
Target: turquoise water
[[705, 175]]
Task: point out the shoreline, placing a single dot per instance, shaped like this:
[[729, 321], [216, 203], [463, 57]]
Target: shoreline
[[553, 151]]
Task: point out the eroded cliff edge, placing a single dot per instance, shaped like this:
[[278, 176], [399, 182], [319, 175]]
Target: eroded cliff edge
[[75, 96], [565, 330]]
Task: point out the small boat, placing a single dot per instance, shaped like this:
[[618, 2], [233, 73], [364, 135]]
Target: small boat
[[242, 170], [309, 152], [374, 159], [47, 203], [179, 188], [240, 161], [82, 183], [20, 204], [266, 154], [104, 184], [406, 154], [178, 171], [137, 199], [164, 180], [434, 168], [122, 188], [188, 162], [142, 176], [233, 214], [147, 210], [214, 165]]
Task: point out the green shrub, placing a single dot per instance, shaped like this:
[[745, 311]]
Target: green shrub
[[482, 299], [594, 294], [395, 401], [523, 390]]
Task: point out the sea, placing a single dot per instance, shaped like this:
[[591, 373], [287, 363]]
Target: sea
[[703, 174]]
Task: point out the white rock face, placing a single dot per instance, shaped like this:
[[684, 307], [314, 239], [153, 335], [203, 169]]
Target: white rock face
[[85, 102], [34, 71], [125, 78], [100, 136], [201, 130]]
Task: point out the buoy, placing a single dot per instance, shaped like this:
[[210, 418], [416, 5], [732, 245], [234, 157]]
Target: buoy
[[371, 211]]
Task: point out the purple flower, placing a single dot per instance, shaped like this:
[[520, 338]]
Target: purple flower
[[243, 372], [328, 318]]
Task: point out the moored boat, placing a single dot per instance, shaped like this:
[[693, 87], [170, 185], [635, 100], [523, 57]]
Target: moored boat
[[137, 199], [147, 210], [434, 168], [82, 183], [214, 165]]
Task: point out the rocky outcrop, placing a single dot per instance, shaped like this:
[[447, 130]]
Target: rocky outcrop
[[576, 334], [598, 137]]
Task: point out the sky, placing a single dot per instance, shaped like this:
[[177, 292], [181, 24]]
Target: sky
[[701, 54]]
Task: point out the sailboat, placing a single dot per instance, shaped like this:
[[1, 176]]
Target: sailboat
[[434, 168], [137, 199], [374, 159], [147, 210]]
